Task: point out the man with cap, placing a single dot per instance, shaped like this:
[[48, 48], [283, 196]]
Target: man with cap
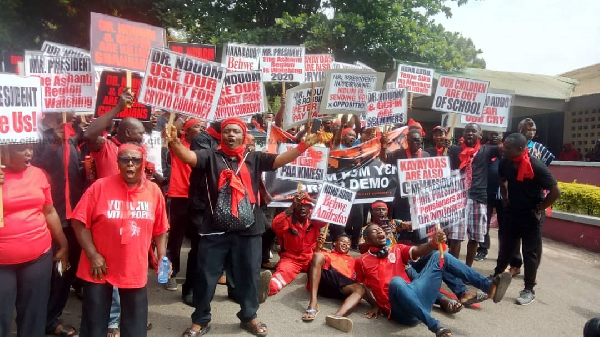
[[440, 140]]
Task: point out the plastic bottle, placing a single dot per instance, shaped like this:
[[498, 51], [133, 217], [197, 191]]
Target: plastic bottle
[[88, 162], [163, 270]]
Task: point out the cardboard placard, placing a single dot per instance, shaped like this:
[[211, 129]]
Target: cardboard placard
[[417, 80], [241, 57], [20, 109], [297, 104], [282, 64], [386, 107], [57, 49], [67, 82], [122, 44], [417, 173], [390, 85], [200, 51], [346, 90], [342, 65], [182, 84], [111, 86], [243, 94], [309, 167], [333, 205], [315, 65], [495, 114], [460, 95], [363, 66]]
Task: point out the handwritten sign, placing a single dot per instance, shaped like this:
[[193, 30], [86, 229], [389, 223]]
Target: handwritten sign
[[111, 86], [386, 107], [342, 65], [309, 167], [20, 109], [123, 44], [11, 61], [417, 173], [243, 94], [315, 65], [460, 95], [346, 90], [333, 204], [415, 79], [495, 113], [200, 51], [182, 84], [282, 64], [297, 104], [57, 49], [67, 82], [241, 57]]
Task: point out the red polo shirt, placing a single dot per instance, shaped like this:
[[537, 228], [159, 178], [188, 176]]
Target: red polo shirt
[[179, 183], [376, 274], [343, 263], [298, 247], [106, 159]]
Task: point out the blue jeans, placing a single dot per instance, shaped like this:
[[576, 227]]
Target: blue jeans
[[456, 285], [412, 302], [115, 309]]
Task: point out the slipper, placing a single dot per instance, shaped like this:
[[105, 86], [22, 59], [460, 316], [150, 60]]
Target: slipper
[[452, 306], [442, 331], [310, 311], [253, 328], [502, 282], [479, 297], [222, 280], [115, 332], [341, 323], [264, 285], [65, 331], [193, 333], [149, 326]]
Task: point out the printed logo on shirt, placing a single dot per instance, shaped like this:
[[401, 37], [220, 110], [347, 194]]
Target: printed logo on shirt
[[136, 210], [392, 257]]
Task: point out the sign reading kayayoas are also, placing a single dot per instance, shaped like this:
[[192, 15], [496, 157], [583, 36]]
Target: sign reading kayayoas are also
[[333, 204], [418, 173], [182, 84], [346, 90], [297, 104], [495, 113], [282, 64], [241, 57], [415, 79], [315, 65], [460, 95], [386, 107], [243, 94], [309, 167], [20, 109], [67, 82], [202, 51], [111, 86]]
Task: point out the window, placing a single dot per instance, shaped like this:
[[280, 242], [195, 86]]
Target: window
[[573, 135], [593, 126], [573, 113], [593, 119], [585, 127], [579, 143], [572, 128], [587, 120], [579, 127], [586, 112], [580, 113], [578, 120], [579, 135], [587, 135]]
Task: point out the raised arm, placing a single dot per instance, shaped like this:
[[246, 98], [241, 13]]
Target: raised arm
[[98, 125], [426, 248], [183, 153], [279, 114]]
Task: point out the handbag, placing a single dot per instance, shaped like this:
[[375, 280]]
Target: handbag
[[223, 219]]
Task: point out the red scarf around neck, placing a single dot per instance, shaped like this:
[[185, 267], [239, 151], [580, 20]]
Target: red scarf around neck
[[409, 155], [525, 170], [467, 153], [439, 151]]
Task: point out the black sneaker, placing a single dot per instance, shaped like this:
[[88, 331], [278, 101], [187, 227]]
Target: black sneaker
[[480, 256]]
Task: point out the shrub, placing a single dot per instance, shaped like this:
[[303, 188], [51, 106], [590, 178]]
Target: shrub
[[578, 198]]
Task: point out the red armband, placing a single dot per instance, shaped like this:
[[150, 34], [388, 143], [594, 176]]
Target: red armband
[[301, 147]]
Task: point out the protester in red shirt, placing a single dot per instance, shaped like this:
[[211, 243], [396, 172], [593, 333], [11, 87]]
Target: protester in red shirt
[[115, 222], [410, 299], [30, 225]]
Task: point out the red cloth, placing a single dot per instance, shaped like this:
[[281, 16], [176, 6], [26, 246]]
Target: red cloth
[[297, 247], [570, 155], [409, 155], [69, 132], [379, 204], [190, 123], [213, 133], [411, 122], [376, 273], [287, 270], [179, 183], [467, 153], [25, 235], [237, 189], [525, 169], [108, 208], [343, 263], [345, 131], [106, 159], [439, 151]]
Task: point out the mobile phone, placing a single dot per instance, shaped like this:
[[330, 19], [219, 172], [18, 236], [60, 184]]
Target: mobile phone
[[316, 125], [59, 268]]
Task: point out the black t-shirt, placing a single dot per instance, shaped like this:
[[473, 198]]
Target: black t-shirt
[[493, 182], [197, 191], [211, 162], [401, 205], [525, 195], [432, 151], [481, 162]]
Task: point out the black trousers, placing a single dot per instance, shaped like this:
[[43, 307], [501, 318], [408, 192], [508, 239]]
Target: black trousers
[[180, 224], [61, 285], [192, 265], [268, 239], [527, 228], [25, 286], [243, 253], [492, 205], [97, 298]]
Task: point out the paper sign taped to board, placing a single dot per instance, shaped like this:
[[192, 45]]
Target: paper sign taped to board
[[11, 61], [67, 82], [57, 49], [123, 44], [182, 84], [417, 173], [20, 109], [309, 167], [346, 90], [415, 79], [386, 107], [241, 57], [243, 94], [333, 204], [297, 104], [495, 113], [460, 95], [111, 86], [201, 51], [315, 65], [282, 64]]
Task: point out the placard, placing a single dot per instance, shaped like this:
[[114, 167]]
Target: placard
[[417, 173], [315, 65], [57, 49], [346, 90], [297, 104], [201, 51], [309, 167], [460, 95], [243, 94], [386, 107], [11, 61], [67, 82], [342, 65], [182, 84], [111, 86], [333, 205], [282, 64], [390, 85], [20, 109], [122, 44], [495, 114], [415, 79], [241, 57], [363, 66]]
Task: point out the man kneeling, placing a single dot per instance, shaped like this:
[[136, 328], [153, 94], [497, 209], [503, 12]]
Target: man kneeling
[[332, 275]]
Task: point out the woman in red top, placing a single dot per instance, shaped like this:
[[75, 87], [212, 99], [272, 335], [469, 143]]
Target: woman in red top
[[115, 222], [30, 225]]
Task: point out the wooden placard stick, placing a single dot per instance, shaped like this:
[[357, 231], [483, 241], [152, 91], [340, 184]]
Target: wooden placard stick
[[451, 131], [410, 100], [7, 161], [129, 85], [312, 100]]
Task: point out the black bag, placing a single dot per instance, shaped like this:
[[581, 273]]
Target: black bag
[[223, 219]]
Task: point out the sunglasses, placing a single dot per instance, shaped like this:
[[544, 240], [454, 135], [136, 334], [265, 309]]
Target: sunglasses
[[127, 160]]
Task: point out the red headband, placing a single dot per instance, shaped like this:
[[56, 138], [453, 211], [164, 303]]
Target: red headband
[[379, 204], [190, 123], [337, 123], [411, 122], [345, 131], [307, 201], [236, 121]]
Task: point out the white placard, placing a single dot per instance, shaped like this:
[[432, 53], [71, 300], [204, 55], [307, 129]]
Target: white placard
[[241, 57], [346, 90], [418, 173], [386, 107], [495, 114], [309, 167], [243, 94], [297, 104], [20, 109], [460, 95], [282, 64], [315, 65], [417, 80], [333, 205]]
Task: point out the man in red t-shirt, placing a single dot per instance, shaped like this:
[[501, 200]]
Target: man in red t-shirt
[[297, 235], [409, 301]]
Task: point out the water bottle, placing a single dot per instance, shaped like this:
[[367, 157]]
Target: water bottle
[[163, 270]]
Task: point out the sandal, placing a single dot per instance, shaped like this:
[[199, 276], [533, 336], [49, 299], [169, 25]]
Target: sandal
[[253, 328], [452, 306], [501, 283], [442, 332], [195, 333], [341, 323], [113, 332], [148, 326], [65, 331], [310, 311], [478, 298]]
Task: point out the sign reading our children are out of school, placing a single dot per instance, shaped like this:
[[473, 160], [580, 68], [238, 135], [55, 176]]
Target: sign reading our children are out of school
[[460, 95]]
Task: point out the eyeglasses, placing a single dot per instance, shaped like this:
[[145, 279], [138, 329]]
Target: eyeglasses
[[126, 160]]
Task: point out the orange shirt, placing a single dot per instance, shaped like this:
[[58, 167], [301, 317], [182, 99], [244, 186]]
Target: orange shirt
[[123, 221], [343, 263], [106, 159], [25, 235], [179, 183]]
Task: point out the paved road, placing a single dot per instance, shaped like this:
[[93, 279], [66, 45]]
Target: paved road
[[568, 295]]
